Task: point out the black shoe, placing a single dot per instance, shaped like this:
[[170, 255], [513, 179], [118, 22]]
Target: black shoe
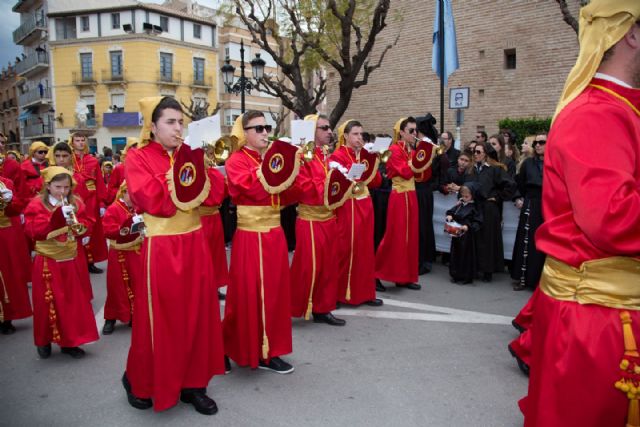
[[109, 326], [227, 364], [75, 352], [412, 286], [199, 399], [221, 296], [523, 366], [423, 270], [517, 326], [276, 365], [467, 282], [519, 287], [95, 270], [136, 402], [486, 277], [44, 351], [6, 328], [379, 286], [328, 318], [377, 302], [452, 280]]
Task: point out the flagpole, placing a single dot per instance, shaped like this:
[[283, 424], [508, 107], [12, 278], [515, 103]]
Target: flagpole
[[441, 52]]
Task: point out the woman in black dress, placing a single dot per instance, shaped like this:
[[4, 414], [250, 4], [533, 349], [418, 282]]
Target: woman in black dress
[[494, 186], [527, 260]]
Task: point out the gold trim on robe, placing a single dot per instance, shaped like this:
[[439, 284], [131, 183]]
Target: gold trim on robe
[[180, 223], [314, 212], [259, 219], [402, 185]]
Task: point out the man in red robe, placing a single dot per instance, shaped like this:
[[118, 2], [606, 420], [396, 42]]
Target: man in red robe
[[313, 281], [10, 168], [176, 342], [356, 257], [91, 188], [585, 366], [33, 165], [397, 255], [117, 175], [14, 294], [257, 316]]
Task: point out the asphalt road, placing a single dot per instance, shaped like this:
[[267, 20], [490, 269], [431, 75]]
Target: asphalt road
[[434, 357]]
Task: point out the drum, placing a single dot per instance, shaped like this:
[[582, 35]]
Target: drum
[[453, 229]]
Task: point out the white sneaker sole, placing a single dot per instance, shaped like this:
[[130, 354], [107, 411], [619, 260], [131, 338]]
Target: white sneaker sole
[[266, 368]]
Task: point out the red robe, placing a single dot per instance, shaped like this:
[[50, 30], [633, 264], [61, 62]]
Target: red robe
[[13, 170], [397, 254], [116, 179], [176, 341], [213, 230], [521, 345], [124, 268], [90, 187], [14, 259], [59, 287], [315, 245], [32, 178], [591, 206], [242, 325], [356, 258]]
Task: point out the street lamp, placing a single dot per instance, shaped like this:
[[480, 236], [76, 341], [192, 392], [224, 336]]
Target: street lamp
[[243, 84]]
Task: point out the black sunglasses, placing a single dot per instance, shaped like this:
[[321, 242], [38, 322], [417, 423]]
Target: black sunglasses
[[324, 128], [260, 128], [478, 152], [544, 141], [411, 130], [42, 151]]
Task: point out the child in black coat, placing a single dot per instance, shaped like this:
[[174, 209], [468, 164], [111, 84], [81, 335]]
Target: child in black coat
[[463, 264]]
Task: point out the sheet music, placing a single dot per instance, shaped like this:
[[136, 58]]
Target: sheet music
[[356, 171], [204, 131], [381, 144], [302, 129]]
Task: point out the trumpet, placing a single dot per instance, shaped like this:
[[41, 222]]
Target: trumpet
[[440, 148], [3, 203], [308, 149], [75, 227], [221, 150]]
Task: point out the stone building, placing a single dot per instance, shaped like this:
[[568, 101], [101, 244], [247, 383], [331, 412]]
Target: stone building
[[514, 56], [9, 107]]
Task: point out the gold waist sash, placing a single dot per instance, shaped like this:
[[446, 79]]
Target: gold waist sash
[[182, 222], [402, 185], [54, 249], [208, 210], [314, 212], [131, 246], [364, 193], [259, 219], [611, 282]]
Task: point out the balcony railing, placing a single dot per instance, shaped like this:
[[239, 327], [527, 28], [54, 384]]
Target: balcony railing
[[32, 63], [35, 96], [83, 78], [202, 82], [36, 126], [29, 27], [23, 6], [172, 79], [109, 77]]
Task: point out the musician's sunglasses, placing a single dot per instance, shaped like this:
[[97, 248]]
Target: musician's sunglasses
[[42, 151], [324, 128], [260, 128]]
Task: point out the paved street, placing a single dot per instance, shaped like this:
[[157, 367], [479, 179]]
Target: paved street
[[435, 357]]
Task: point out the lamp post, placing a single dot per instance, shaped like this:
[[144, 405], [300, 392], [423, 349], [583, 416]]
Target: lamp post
[[243, 84]]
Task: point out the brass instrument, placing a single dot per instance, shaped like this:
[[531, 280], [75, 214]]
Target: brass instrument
[[385, 156], [3, 203], [221, 150], [308, 150], [440, 148], [75, 228], [2, 156]]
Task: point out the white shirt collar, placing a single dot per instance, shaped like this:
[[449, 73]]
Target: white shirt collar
[[55, 202], [607, 77]]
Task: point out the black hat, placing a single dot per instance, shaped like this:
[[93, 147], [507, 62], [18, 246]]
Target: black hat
[[426, 126]]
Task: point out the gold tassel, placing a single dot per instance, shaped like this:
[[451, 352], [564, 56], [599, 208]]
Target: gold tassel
[[630, 368], [309, 307], [348, 297], [6, 298], [313, 272], [125, 279], [48, 297], [265, 347]]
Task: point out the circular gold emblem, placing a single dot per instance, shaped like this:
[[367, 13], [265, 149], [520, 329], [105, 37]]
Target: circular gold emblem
[[421, 155], [124, 231], [187, 174], [335, 188], [276, 163]]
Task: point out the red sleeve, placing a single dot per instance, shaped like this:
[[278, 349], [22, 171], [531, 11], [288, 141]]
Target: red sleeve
[[37, 219], [101, 188], [112, 221], [219, 190], [242, 179], [398, 163], [147, 184], [117, 176]]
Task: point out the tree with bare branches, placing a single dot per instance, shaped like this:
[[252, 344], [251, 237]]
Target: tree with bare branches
[[198, 109], [567, 16], [303, 36]]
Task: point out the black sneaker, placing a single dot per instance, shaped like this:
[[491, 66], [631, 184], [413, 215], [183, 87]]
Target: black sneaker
[[6, 328], [379, 286], [227, 364], [75, 352], [109, 326], [44, 351], [199, 399], [134, 401], [276, 365], [95, 270]]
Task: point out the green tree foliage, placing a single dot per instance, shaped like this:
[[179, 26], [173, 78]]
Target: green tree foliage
[[524, 127]]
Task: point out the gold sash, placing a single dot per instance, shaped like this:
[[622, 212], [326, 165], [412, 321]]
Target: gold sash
[[259, 219], [611, 282], [182, 222], [54, 249], [208, 210], [314, 213], [90, 184], [362, 194], [402, 185], [130, 246]]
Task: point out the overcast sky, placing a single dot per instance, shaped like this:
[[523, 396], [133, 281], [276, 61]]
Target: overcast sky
[[10, 21]]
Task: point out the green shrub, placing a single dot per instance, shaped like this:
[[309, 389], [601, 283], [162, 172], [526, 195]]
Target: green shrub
[[526, 126]]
